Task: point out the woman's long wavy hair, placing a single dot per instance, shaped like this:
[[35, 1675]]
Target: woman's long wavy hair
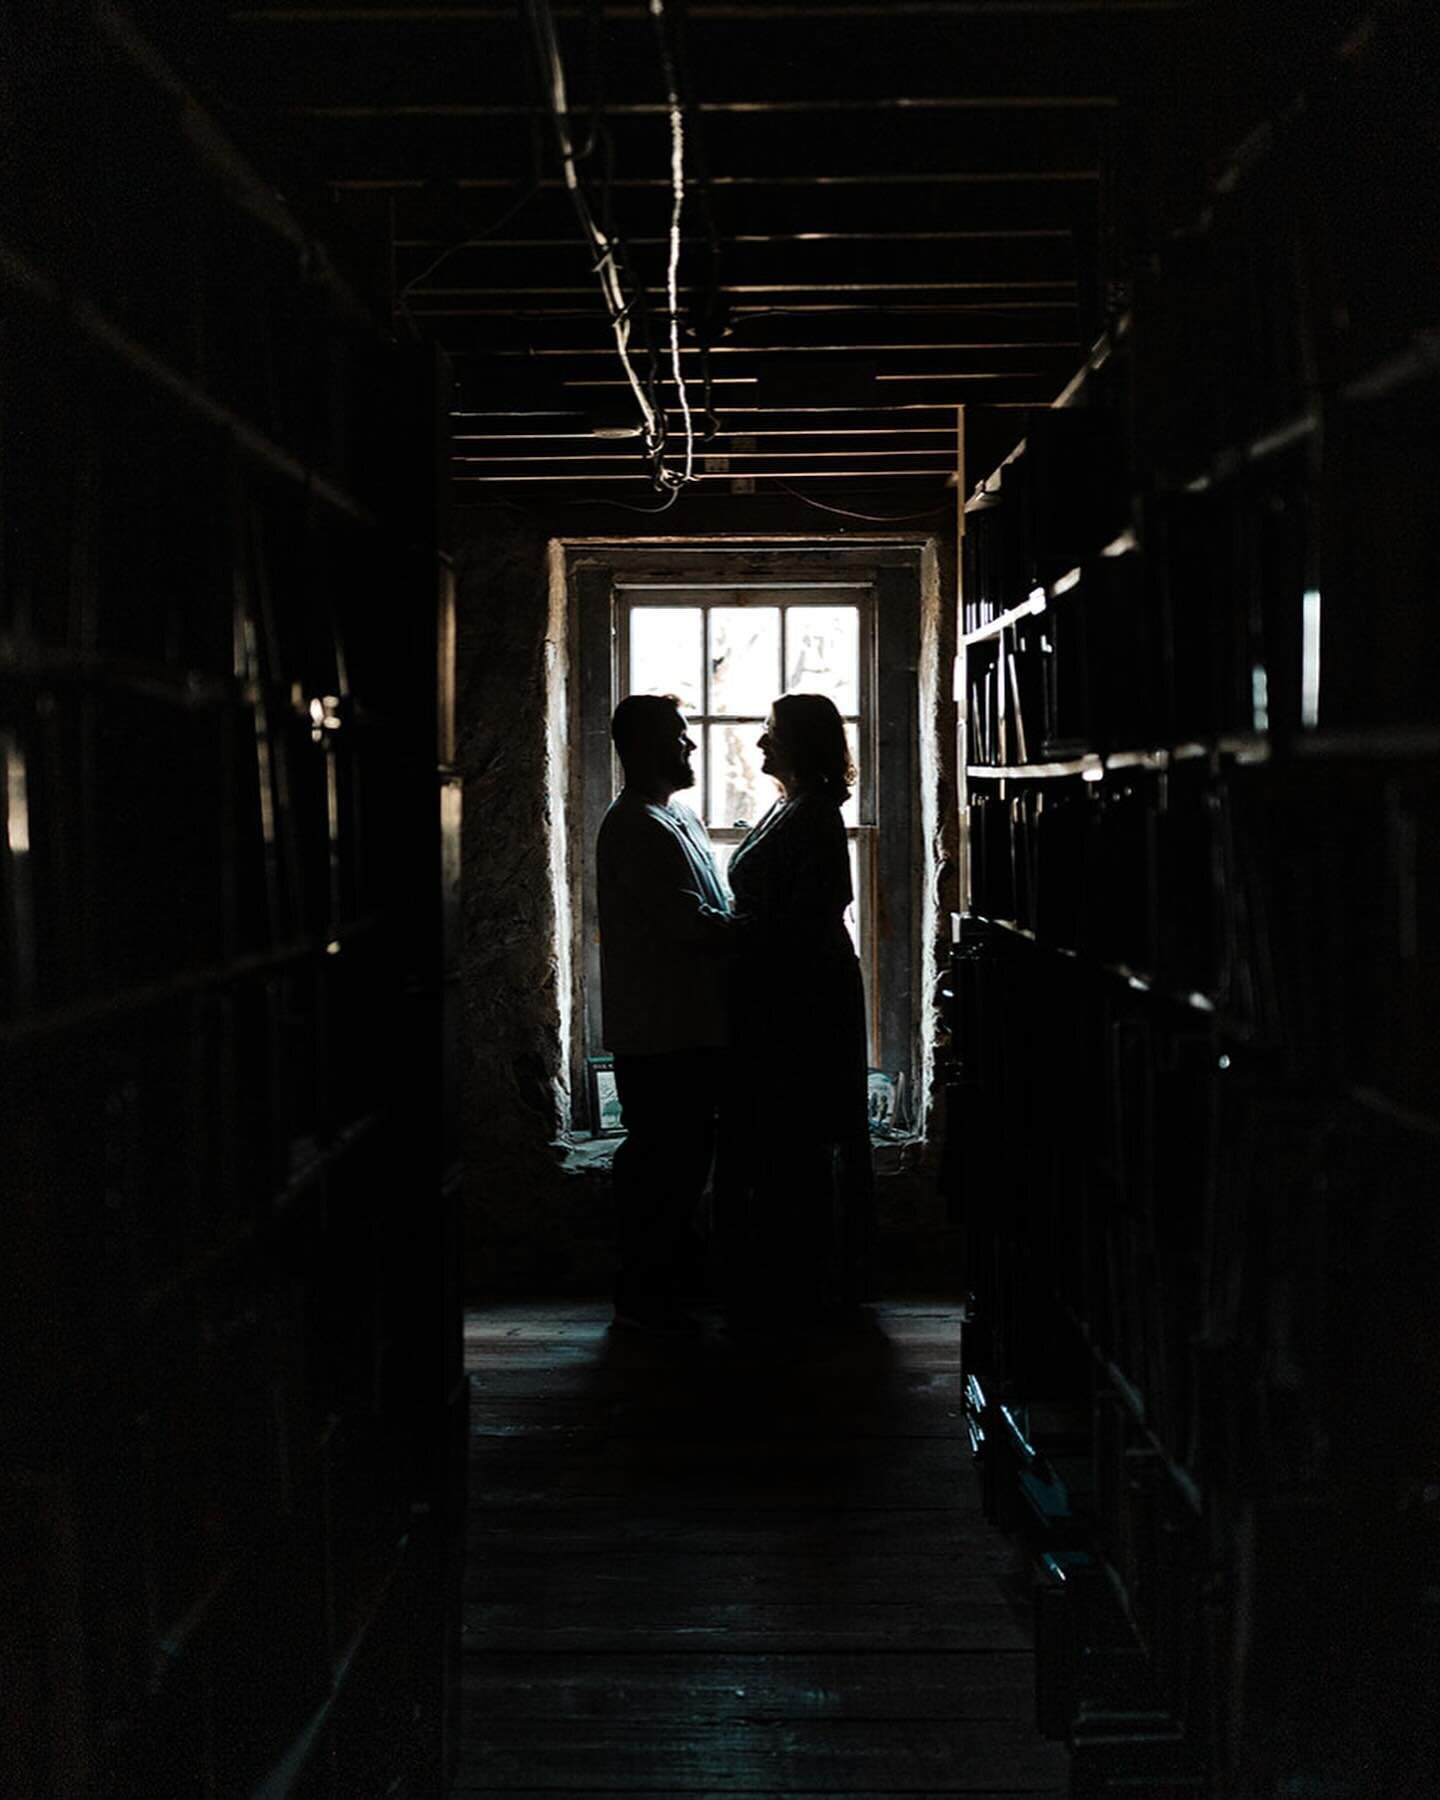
[[814, 736]]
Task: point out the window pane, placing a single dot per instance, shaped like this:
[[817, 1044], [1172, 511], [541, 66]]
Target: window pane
[[724, 849], [665, 653], [822, 653], [852, 912], [739, 793], [850, 811], [744, 658]]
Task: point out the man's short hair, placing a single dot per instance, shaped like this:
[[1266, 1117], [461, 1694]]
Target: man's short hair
[[641, 718]]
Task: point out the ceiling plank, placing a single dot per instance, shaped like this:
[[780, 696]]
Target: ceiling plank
[[755, 147], [444, 212], [878, 335], [642, 476], [851, 268], [872, 106], [345, 12]]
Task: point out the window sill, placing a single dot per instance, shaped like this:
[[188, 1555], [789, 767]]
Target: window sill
[[581, 1151]]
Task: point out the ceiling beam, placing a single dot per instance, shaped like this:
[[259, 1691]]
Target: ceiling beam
[[348, 112], [977, 267], [622, 449], [740, 435], [918, 179], [641, 474], [756, 149], [742, 410], [792, 304], [750, 213], [570, 240], [728, 10], [881, 336]]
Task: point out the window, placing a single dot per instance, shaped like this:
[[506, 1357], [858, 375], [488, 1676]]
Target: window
[[726, 654], [727, 627]]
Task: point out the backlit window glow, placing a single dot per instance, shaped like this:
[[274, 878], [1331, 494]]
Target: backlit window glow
[[1310, 659], [726, 660]]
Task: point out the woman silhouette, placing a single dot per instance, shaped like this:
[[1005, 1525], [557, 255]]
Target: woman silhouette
[[795, 1187]]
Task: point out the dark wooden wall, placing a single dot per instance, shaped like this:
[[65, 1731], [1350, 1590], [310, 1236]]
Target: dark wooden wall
[[1197, 1079], [233, 1409]]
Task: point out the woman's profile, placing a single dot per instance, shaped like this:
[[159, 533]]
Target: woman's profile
[[796, 1182]]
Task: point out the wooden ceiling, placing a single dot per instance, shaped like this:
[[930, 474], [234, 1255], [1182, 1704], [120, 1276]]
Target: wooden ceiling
[[892, 209]]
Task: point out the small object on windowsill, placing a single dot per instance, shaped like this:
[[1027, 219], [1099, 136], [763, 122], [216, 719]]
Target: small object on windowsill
[[605, 1120], [889, 1116]]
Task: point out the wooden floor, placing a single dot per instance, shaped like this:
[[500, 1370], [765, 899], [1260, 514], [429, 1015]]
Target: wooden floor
[[748, 1565]]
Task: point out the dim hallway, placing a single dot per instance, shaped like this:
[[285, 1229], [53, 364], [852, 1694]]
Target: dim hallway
[[737, 1564], [386, 392]]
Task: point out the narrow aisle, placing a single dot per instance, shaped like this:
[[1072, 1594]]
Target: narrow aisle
[[736, 1566]]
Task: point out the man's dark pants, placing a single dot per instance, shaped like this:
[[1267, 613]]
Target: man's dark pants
[[668, 1102]]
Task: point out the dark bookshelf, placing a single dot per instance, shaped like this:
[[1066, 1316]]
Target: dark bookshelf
[[231, 1441], [1195, 1061]]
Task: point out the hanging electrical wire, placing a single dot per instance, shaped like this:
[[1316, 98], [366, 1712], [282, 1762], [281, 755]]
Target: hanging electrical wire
[[845, 512], [617, 306], [710, 314], [677, 208], [624, 297], [473, 236]]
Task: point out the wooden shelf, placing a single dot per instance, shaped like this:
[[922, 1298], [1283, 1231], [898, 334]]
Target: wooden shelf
[[1395, 1112], [1138, 983], [1362, 744], [175, 1639], [228, 166], [1090, 766], [320, 1162], [80, 1015], [1101, 351], [279, 1782], [1027, 609], [1240, 747], [985, 492], [75, 313], [1225, 465], [1133, 1401], [1418, 362], [193, 690], [1127, 543]]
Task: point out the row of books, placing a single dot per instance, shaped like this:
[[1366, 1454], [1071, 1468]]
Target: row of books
[[1061, 498], [1037, 692], [1300, 279], [1181, 1211], [1199, 632], [1134, 872], [1223, 889], [1246, 607], [230, 1443], [131, 876], [184, 1585], [1197, 1093], [248, 314], [114, 758]]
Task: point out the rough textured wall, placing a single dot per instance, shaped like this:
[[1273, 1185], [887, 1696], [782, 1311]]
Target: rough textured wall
[[534, 1222]]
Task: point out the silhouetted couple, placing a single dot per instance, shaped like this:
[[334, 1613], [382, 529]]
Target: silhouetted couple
[[738, 1033]]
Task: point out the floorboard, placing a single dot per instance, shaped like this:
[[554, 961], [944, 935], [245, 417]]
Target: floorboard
[[745, 1565]]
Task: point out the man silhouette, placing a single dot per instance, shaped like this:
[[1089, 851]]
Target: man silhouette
[[664, 921]]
